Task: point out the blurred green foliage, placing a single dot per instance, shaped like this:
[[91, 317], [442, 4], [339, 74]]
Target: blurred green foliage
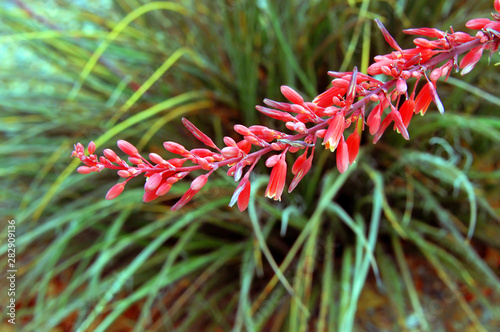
[[381, 247]]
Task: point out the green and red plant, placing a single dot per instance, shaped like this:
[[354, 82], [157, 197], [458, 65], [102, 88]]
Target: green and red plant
[[340, 111]]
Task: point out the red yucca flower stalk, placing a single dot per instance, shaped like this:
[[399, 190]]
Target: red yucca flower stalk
[[329, 117]]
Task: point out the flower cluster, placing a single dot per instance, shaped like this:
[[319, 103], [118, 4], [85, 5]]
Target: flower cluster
[[339, 112]]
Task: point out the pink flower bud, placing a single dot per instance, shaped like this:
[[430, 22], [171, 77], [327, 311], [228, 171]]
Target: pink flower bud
[[230, 152], [156, 158], [163, 188], [401, 86], [175, 148], [134, 160], [229, 141], [153, 182], [91, 147], [111, 156], [115, 191], [199, 182], [123, 174], [128, 148], [83, 170], [242, 130], [291, 95], [273, 160]]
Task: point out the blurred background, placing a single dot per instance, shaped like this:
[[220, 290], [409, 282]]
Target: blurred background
[[382, 247]]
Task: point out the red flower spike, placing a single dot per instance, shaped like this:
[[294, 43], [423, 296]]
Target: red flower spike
[[423, 99], [388, 36], [83, 170], [91, 147], [277, 180], [471, 59], [330, 113], [115, 191], [353, 146], [301, 172], [342, 156], [128, 148], [199, 134], [153, 182], [291, 95]]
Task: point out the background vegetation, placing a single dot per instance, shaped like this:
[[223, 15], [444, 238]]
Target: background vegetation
[[382, 247]]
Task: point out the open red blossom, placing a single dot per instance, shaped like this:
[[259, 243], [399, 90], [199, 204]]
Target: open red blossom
[[334, 132]]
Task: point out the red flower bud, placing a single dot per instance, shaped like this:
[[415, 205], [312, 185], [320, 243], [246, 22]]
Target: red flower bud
[[127, 148], [83, 170], [199, 182], [91, 147], [111, 156], [153, 182], [291, 95], [115, 191]]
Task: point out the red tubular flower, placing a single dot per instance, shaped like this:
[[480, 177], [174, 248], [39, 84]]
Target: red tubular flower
[[199, 134], [470, 60], [277, 180], [242, 194], [353, 146], [291, 95], [342, 156], [423, 99], [406, 110], [334, 132], [128, 148], [300, 168], [115, 191]]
